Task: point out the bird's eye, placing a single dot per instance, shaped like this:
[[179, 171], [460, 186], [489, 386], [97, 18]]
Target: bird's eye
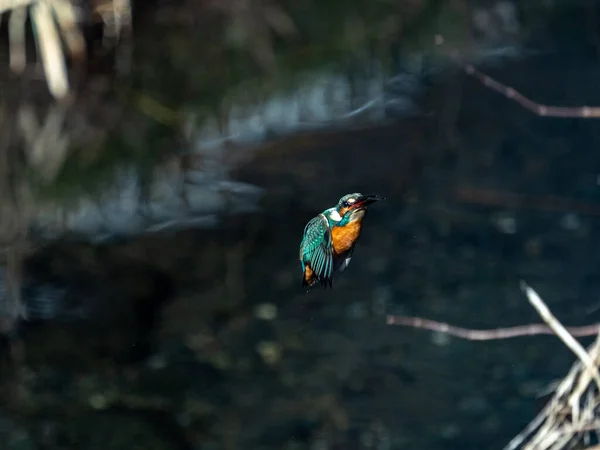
[[345, 204]]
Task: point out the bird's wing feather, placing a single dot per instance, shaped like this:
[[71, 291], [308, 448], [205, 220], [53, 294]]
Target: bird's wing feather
[[316, 247]]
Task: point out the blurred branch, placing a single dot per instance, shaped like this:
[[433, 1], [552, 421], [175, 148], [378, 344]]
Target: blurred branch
[[514, 95], [470, 334], [116, 15], [500, 333], [16, 37], [585, 112], [257, 21], [6, 5], [48, 43], [157, 111], [46, 146]]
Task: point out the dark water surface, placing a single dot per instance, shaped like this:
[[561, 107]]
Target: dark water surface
[[202, 338]]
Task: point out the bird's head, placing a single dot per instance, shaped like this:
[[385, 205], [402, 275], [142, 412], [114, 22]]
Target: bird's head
[[355, 202]]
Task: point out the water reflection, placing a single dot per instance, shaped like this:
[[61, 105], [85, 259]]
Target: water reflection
[[132, 204]]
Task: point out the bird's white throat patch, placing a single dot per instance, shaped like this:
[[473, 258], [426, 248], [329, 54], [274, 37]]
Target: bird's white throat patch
[[334, 215]]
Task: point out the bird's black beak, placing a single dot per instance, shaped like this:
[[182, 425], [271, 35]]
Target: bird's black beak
[[368, 199]]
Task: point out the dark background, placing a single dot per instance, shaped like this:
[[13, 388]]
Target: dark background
[[156, 340]]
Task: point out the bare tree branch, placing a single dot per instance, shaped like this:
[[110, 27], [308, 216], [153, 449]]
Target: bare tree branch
[[470, 334], [586, 112]]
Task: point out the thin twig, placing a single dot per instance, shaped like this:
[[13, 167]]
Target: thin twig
[[531, 427], [536, 108], [490, 334]]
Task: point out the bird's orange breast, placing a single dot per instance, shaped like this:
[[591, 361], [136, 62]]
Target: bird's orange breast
[[343, 238]]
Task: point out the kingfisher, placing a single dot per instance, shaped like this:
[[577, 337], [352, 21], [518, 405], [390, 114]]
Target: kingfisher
[[329, 238]]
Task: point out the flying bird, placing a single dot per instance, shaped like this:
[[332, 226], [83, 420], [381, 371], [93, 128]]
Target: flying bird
[[329, 238]]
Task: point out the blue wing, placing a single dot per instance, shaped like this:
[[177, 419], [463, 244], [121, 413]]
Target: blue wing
[[316, 249]]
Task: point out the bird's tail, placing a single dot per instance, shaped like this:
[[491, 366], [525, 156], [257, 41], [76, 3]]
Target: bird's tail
[[308, 276]]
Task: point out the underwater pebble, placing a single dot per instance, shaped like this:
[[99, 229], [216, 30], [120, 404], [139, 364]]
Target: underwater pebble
[[293, 445], [367, 438], [570, 222], [221, 361], [531, 388], [183, 420], [439, 338], [98, 401], [444, 228], [320, 443], [491, 425], [208, 445], [498, 373], [289, 379], [157, 362], [269, 351], [266, 311], [20, 440], [6, 425], [533, 247], [449, 431], [378, 264], [194, 407], [521, 371], [399, 441], [468, 252], [473, 405], [382, 297], [243, 365], [505, 223], [385, 442], [357, 310], [513, 404]]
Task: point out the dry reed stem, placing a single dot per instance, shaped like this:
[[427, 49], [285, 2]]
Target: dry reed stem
[[570, 417], [49, 46], [575, 397], [560, 330], [556, 431], [56, 22], [16, 39], [568, 340], [46, 145], [9, 5]]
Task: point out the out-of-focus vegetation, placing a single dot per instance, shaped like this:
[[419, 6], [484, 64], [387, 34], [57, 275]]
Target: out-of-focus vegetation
[[187, 63], [122, 87], [235, 332]]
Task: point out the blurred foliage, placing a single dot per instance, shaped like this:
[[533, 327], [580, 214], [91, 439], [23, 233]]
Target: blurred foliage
[[198, 67], [79, 176], [203, 69], [213, 54]]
